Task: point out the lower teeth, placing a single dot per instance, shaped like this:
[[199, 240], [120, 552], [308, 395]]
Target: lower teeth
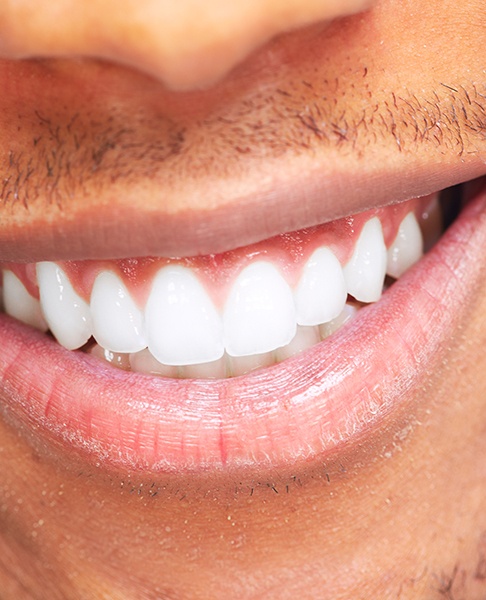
[[227, 366]]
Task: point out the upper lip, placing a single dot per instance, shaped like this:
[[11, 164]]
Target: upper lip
[[177, 210], [120, 230]]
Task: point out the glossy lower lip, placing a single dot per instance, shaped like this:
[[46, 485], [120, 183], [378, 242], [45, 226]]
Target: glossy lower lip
[[327, 398]]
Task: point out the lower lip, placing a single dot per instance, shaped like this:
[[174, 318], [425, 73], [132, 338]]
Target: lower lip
[[319, 402]]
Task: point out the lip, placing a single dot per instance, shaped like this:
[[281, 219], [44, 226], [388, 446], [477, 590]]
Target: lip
[[128, 231], [333, 396], [169, 205]]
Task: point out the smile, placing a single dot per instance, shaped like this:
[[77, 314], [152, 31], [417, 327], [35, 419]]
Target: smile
[[256, 356], [223, 315]]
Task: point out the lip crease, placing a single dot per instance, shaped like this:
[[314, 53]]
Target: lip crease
[[330, 396]]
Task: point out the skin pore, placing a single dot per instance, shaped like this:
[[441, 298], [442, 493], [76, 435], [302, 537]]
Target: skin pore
[[178, 135]]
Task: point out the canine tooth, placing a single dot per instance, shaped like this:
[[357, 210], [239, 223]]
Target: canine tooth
[[259, 315], [66, 313], [365, 272], [117, 321], [326, 329], [145, 362], [183, 327], [407, 248], [18, 303], [304, 338], [239, 365], [321, 292]]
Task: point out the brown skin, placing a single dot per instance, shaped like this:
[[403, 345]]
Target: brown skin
[[402, 516], [172, 161], [187, 45]]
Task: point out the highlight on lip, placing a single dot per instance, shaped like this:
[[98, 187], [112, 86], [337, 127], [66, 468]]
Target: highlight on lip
[[224, 315]]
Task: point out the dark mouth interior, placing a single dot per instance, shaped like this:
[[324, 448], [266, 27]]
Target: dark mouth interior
[[451, 202]]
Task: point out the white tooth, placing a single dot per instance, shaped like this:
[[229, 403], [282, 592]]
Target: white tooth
[[407, 248], [321, 292], [239, 365], [145, 362], [365, 272], [349, 311], [259, 315], [303, 339], [183, 327], [117, 321], [18, 303], [66, 313]]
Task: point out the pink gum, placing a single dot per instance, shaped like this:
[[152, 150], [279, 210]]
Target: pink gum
[[288, 252]]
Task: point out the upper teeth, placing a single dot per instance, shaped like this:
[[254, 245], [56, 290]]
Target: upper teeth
[[183, 326], [68, 315], [259, 315], [321, 292], [180, 324], [117, 321], [407, 247], [20, 304]]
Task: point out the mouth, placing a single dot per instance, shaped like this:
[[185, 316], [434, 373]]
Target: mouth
[[272, 353], [223, 315]]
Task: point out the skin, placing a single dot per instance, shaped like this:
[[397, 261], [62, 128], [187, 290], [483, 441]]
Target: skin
[[400, 516]]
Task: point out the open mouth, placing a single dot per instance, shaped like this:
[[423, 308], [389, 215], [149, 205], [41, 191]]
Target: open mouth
[[260, 355], [227, 314]]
